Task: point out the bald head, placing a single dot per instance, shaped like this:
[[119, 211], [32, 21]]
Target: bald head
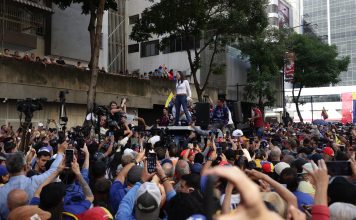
[[182, 168], [275, 154], [168, 170], [16, 198]]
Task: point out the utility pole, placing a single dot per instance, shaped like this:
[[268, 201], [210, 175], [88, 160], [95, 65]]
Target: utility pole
[[312, 110]]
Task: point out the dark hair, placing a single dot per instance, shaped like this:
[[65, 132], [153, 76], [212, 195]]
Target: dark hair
[[43, 154], [173, 150], [161, 152], [199, 158], [289, 176], [15, 162], [192, 180], [182, 76], [184, 205], [98, 169], [112, 102], [51, 199], [242, 162]]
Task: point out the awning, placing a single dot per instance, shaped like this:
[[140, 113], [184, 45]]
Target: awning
[[34, 4]]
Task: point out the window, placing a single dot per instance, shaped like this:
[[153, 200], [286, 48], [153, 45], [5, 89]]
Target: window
[[134, 19], [272, 8], [150, 48], [133, 48], [176, 44]]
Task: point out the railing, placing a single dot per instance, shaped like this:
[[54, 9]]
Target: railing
[[20, 19]]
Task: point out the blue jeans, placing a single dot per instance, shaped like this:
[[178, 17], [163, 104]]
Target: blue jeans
[[181, 100]]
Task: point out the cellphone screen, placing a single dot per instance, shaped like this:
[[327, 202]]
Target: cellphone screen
[[339, 168], [69, 158], [219, 150], [151, 162]]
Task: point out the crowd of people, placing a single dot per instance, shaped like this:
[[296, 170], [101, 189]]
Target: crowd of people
[[110, 169], [161, 72]]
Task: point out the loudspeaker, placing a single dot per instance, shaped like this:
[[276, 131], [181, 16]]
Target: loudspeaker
[[202, 114]]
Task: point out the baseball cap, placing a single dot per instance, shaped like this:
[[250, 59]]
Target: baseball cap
[[96, 213], [279, 167], [130, 152], [328, 151], [267, 167], [237, 133], [153, 140], [40, 124], [3, 170], [147, 201], [134, 174], [307, 166], [28, 212], [196, 168]]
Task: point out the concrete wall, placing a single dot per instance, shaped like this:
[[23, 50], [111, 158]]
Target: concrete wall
[[70, 36], [20, 80]]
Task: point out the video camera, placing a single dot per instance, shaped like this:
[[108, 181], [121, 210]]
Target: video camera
[[28, 106]]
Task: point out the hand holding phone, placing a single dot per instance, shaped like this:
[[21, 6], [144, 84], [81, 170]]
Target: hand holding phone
[[151, 162], [69, 155]]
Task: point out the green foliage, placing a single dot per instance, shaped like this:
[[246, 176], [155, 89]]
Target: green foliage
[[86, 4], [317, 63], [215, 22], [191, 17], [265, 54]]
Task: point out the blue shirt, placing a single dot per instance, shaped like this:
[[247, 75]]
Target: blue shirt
[[303, 199], [28, 184], [117, 193], [128, 203], [75, 208], [220, 114], [74, 192]]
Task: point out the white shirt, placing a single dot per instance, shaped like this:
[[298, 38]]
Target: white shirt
[[183, 88]]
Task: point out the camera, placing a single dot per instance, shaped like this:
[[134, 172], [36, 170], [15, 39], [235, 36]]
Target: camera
[[28, 106]]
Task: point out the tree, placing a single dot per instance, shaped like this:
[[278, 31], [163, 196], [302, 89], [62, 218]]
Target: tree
[[96, 10], [317, 64], [215, 23], [265, 55]]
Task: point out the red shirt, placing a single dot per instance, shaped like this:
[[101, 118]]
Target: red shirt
[[258, 121]]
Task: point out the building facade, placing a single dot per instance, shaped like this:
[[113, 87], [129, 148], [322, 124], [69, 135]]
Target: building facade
[[334, 21]]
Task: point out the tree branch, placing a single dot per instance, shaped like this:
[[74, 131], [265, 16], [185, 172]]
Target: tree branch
[[211, 63]]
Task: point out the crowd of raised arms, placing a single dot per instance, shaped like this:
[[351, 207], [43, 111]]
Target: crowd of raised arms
[[115, 168]]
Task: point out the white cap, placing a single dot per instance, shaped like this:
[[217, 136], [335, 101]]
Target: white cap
[[279, 167], [130, 152], [237, 133], [153, 140], [307, 166], [150, 188], [124, 141], [40, 124]]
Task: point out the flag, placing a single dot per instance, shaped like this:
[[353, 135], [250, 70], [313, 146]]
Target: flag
[[170, 97], [324, 114]]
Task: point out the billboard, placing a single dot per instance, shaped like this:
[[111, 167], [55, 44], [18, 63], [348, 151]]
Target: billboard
[[283, 15], [289, 66]]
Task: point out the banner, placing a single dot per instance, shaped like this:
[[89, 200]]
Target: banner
[[346, 99], [283, 15], [289, 65]]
